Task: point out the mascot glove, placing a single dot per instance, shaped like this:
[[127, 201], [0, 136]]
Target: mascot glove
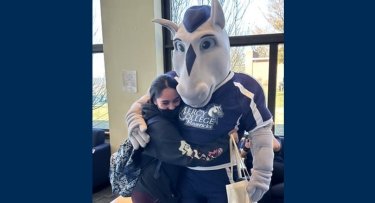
[[137, 130], [258, 185]]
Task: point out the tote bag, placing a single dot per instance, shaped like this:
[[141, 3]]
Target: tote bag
[[236, 191]]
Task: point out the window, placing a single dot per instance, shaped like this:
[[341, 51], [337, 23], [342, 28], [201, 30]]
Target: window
[[99, 91], [256, 30]]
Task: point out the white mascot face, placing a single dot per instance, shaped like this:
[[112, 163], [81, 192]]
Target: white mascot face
[[201, 55]]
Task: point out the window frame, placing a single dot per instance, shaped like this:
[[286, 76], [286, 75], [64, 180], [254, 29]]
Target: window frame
[[97, 48]]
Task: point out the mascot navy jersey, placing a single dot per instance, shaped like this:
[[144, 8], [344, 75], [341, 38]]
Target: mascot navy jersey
[[239, 102]]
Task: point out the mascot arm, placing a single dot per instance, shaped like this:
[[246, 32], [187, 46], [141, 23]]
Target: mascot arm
[[136, 124], [263, 154]]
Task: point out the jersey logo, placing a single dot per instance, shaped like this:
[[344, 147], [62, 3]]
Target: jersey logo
[[216, 112], [201, 118], [186, 150]]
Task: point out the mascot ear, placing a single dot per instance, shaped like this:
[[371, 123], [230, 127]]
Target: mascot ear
[[217, 14], [172, 27]]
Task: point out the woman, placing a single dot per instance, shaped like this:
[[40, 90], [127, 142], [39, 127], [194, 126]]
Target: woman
[[163, 157]]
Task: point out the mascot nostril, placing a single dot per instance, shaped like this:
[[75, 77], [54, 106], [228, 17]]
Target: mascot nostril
[[190, 58], [202, 92], [203, 95]]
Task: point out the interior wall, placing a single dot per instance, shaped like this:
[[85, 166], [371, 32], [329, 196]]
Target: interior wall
[[131, 41]]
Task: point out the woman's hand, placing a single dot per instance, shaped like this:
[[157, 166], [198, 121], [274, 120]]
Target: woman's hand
[[247, 145], [276, 145]]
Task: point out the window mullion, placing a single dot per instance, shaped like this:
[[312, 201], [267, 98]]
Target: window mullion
[[271, 103]]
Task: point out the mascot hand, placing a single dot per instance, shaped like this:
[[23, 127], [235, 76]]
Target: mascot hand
[[258, 185], [137, 130], [262, 162], [136, 124]]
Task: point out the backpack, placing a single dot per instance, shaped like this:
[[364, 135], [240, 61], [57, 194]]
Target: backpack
[[123, 172]]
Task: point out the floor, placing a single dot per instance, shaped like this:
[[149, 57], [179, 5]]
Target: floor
[[104, 195]]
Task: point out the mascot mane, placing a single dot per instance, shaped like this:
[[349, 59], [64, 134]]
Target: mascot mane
[[201, 55]]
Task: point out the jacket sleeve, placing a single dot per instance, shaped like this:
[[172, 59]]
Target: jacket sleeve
[[167, 145]]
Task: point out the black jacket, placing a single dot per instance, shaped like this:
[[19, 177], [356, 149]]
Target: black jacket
[[167, 154]]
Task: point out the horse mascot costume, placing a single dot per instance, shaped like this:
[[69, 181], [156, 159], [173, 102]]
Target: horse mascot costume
[[216, 101]]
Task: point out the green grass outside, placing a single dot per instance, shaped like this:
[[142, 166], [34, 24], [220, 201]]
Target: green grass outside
[[101, 113], [279, 111], [280, 99]]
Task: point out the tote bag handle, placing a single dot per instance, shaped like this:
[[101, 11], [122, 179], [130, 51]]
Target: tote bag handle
[[236, 160]]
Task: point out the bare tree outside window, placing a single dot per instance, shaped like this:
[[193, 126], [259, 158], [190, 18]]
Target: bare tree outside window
[[99, 93], [239, 23], [274, 15]]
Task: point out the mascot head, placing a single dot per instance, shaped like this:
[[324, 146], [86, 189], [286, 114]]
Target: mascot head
[[201, 55]]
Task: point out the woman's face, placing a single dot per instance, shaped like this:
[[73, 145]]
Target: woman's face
[[169, 99]]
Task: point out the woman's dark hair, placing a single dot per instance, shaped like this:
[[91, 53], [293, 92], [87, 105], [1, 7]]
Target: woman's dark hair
[[159, 84]]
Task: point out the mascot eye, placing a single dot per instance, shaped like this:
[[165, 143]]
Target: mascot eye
[[179, 46], [207, 43]]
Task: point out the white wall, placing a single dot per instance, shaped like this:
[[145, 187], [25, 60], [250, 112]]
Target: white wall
[[131, 42]]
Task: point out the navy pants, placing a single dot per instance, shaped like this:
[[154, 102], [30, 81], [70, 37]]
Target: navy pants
[[204, 186]]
